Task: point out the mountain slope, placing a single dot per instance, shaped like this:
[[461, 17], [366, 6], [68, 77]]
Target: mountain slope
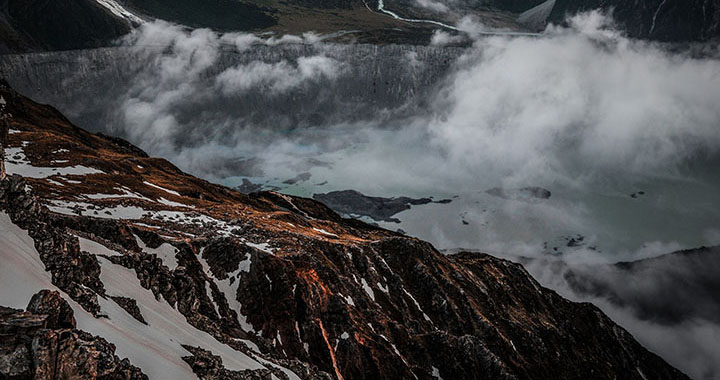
[[662, 20], [183, 275], [32, 25]]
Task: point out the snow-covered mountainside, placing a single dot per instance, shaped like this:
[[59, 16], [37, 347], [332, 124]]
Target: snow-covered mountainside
[[190, 279]]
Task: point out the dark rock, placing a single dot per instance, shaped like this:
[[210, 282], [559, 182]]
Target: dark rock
[[41, 25], [637, 194], [37, 346], [209, 367], [525, 193], [130, 305], [351, 202], [302, 177], [50, 303], [248, 187]]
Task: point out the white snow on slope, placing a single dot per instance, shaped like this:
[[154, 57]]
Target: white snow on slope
[[368, 289], [166, 331], [162, 188], [417, 305], [173, 204], [53, 182], [536, 18], [119, 11], [265, 247], [22, 273], [155, 348], [436, 373], [17, 163], [117, 212], [135, 213], [322, 231], [95, 248], [124, 193], [166, 252], [230, 290]]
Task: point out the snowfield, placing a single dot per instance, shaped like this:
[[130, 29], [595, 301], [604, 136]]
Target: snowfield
[[155, 348]]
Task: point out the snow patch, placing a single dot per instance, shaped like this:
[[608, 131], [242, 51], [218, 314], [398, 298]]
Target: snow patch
[[124, 193], [120, 11], [368, 289], [436, 373], [56, 183], [417, 305], [17, 163], [230, 289], [95, 248], [155, 348], [320, 230], [383, 288], [162, 188], [173, 204], [265, 247], [166, 252]]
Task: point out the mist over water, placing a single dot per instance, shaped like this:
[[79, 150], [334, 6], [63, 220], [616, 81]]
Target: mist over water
[[582, 111]]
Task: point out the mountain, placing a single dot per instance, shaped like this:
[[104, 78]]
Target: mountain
[[183, 276], [39, 25], [42, 25], [661, 20], [688, 281]]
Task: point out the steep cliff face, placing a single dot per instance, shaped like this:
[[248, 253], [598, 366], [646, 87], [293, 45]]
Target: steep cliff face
[[661, 20], [90, 86], [183, 275]]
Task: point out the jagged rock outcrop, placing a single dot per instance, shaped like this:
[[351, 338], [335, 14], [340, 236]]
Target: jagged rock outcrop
[[58, 312], [43, 344], [284, 281]]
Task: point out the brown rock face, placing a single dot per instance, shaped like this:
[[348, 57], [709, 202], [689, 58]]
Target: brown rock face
[[41, 344], [50, 303]]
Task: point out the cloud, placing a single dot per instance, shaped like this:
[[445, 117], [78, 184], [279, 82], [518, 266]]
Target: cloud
[[443, 38], [158, 110], [579, 99], [432, 5], [669, 303], [573, 106], [276, 77]]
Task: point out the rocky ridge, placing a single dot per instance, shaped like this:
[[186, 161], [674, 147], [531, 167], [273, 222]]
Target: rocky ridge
[[284, 281], [42, 343]]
